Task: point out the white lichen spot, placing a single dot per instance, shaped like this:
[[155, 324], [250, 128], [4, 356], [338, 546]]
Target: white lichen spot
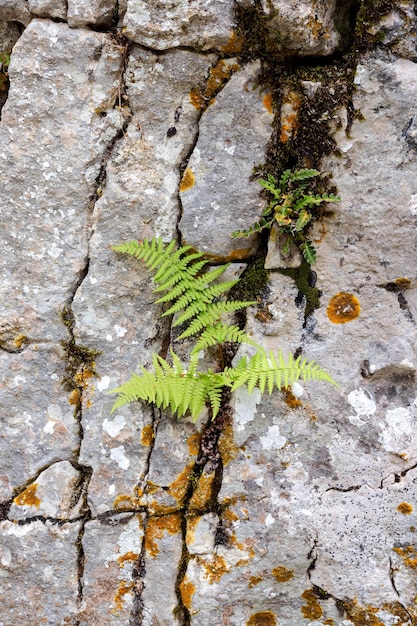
[[118, 455], [19, 380], [413, 204], [103, 383], [114, 427], [49, 427], [119, 330], [112, 490], [269, 520], [273, 439], [245, 406], [297, 390], [109, 337], [363, 405], [54, 251], [398, 434]]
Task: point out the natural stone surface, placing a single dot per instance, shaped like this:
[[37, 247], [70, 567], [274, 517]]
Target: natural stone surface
[[56, 493], [111, 551], [49, 8], [241, 122], [91, 12], [163, 25], [35, 587], [14, 11], [39, 427], [50, 157]]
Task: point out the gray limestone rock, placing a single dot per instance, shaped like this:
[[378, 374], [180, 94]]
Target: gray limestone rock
[[234, 132], [56, 493], [111, 549], [38, 425], [162, 25], [15, 11], [91, 13], [35, 588], [49, 8], [52, 141]]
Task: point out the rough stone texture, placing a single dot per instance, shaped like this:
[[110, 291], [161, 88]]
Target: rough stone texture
[[241, 121], [305, 514], [56, 493], [58, 143], [49, 8], [38, 573], [162, 25], [111, 550], [91, 12], [38, 422]]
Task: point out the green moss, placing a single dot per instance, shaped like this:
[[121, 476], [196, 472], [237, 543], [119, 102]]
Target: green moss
[[303, 278]]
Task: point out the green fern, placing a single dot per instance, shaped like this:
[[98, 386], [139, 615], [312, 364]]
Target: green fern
[[291, 209], [194, 294]]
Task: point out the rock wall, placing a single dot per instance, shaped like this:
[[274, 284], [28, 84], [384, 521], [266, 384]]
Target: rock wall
[[136, 118]]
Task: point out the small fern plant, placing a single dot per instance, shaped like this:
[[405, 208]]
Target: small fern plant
[[291, 209], [194, 294]]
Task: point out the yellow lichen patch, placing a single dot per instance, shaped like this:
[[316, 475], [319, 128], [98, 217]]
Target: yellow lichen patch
[[402, 283], [129, 557], [74, 397], [188, 180], [157, 527], [202, 494], [177, 489], [267, 102], [289, 116], [263, 618], [397, 609], [362, 616], [214, 567], [254, 580], [227, 447], [282, 574], [201, 98], [343, 307], [234, 45], [28, 497], [125, 502], [124, 589], [290, 399], [187, 590], [312, 609], [409, 556], [147, 435], [19, 340], [193, 443], [329, 622], [405, 508]]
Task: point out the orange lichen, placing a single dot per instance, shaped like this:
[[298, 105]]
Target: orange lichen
[[28, 497], [282, 574], [74, 397], [405, 508], [124, 589], [267, 102], [214, 567], [402, 283], [188, 180], [290, 399], [311, 610], [254, 580], [234, 45], [362, 616], [193, 443], [263, 618], [343, 307], [157, 527], [329, 622], [227, 447], [125, 502], [187, 590], [409, 556], [178, 488], [219, 74], [147, 435], [203, 492], [289, 116], [129, 557]]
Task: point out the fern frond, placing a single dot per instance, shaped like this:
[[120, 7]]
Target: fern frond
[[309, 252], [303, 174], [211, 315], [220, 333], [265, 370], [255, 228]]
